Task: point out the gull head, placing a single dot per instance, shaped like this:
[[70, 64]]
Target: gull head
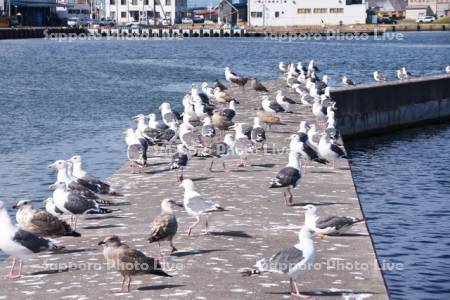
[[58, 165], [138, 117], [152, 117], [22, 204], [164, 106], [58, 185], [76, 159], [111, 241], [310, 209], [187, 184]]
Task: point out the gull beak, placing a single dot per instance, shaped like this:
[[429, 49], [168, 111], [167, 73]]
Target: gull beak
[[52, 186], [135, 117], [51, 166], [101, 243], [15, 207], [321, 236], [178, 204]]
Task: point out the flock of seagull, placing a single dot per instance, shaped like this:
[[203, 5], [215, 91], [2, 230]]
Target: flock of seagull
[[203, 129]]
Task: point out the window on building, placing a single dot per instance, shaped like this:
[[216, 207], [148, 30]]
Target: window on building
[[157, 2], [145, 2], [112, 2], [123, 14], [277, 14], [320, 10], [123, 2], [336, 10], [133, 2], [256, 14], [304, 10], [168, 3]]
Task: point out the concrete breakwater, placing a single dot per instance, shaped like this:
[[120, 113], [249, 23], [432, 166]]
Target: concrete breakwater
[[256, 224], [369, 109]]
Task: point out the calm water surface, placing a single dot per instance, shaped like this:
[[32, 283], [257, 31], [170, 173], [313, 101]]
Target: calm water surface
[[58, 99]]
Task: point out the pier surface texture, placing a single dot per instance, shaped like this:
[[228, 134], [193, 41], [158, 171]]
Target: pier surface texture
[[373, 108], [257, 224]]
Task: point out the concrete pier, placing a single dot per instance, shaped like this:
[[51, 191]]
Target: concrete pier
[[256, 224], [373, 108]]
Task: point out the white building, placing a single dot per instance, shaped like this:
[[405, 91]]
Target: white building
[[306, 12], [128, 11]]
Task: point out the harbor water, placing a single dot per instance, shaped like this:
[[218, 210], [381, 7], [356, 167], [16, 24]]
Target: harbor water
[[59, 99]]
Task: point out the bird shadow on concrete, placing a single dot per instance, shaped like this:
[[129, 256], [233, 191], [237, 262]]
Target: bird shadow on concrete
[[159, 287], [204, 178], [157, 171], [72, 251], [234, 233], [322, 171], [264, 165], [194, 252], [319, 203], [350, 234], [55, 271], [102, 226], [323, 293]]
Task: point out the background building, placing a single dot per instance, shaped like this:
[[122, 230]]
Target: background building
[[306, 12], [232, 13], [392, 8], [143, 11], [35, 12]]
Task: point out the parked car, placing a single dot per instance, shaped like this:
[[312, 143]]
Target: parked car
[[425, 19], [386, 20], [209, 22], [165, 22], [187, 21], [72, 22], [199, 20], [107, 22]]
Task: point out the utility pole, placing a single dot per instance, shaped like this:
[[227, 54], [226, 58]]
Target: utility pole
[[154, 12]]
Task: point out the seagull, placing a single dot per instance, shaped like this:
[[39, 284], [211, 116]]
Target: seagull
[[199, 97], [258, 86], [51, 208], [164, 226], [168, 115], [207, 90], [167, 136], [153, 123], [201, 109], [306, 151], [378, 77], [311, 134], [319, 110], [222, 96], [271, 106], [74, 204], [400, 75], [269, 119], [284, 101], [321, 85], [447, 69], [288, 177], [221, 122], [406, 74], [99, 186], [331, 225], [233, 78], [219, 85], [40, 222], [179, 160], [330, 151], [128, 261], [137, 149], [208, 129], [312, 66], [188, 137], [282, 67], [197, 205], [149, 134], [258, 134], [221, 150], [243, 144], [291, 261], [229, 112], [19, 243], [347, 81]]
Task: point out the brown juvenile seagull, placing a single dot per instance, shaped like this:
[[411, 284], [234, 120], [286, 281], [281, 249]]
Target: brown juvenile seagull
[[221, 122], [269, 119], [258, 86], [164, 226], [128, 262], [40, 222]]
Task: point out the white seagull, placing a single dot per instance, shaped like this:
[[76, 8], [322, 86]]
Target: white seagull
[[378, 77], [329, 150]]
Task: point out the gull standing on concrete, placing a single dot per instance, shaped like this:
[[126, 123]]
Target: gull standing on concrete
[[447, 69], [284, 101], [143, 131], [229, 112], [197, 205], [258, 134], [222, 96], [347, 81], [312, 132], [306, 151], [406, 74], [99, 186], [40, 222], [257, 85], [219, 85], [243, 144], [51, 208], [271, 106], [137, 149], [378, 77], [400, 75], [189, 138], [180, 160], [19, 244], [269, 119], [129, 262], [291, 261], [233, 78], [288, 177], [282, 67], [330, 225], [221, 122], [153, 123], [168, 115], [221, 150], [164, 226], [329, 150], [74, 204], [207, 90]]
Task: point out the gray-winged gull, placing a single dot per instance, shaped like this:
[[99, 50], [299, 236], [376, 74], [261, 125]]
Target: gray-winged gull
[[129, 262], [288, 177], [284, 101], [19, 244], [271, 106], [347, 81], [233, 78], [164, 226], [258, 134], [137, 149], [179, 161], [197, 205], [329, 150], [378, 77], [51, 208], [156, 124], [291, 261]]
